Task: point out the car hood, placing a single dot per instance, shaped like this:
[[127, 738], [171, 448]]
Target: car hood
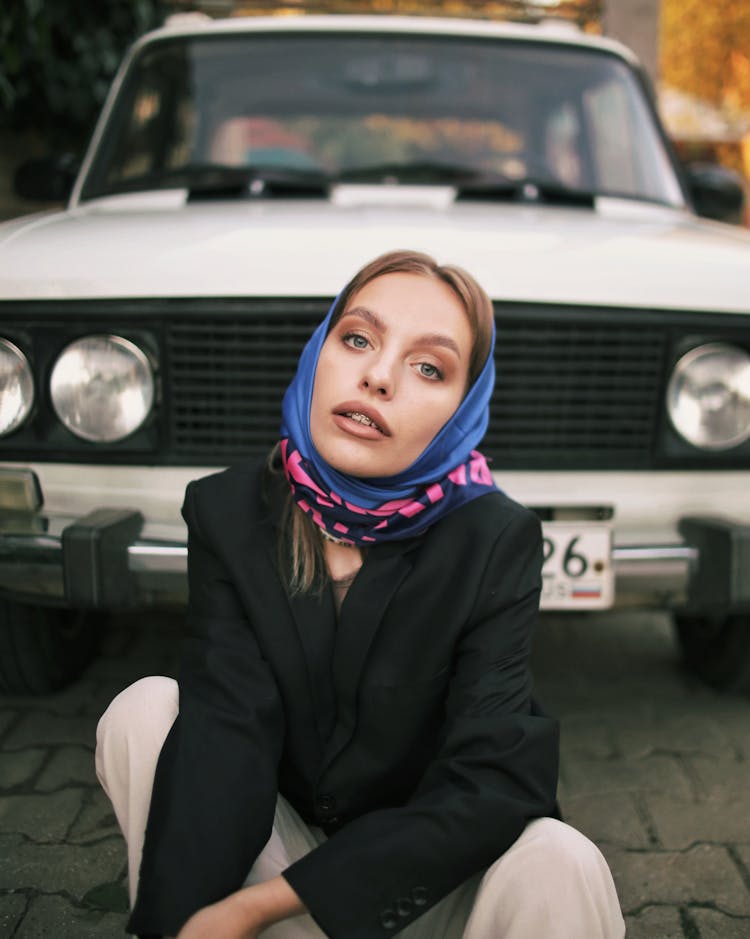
[[619, 253]]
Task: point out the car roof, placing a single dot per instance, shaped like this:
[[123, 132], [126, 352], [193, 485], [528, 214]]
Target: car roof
[[549, 31]]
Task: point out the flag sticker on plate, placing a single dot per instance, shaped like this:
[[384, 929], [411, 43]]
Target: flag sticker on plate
[[577, 572]]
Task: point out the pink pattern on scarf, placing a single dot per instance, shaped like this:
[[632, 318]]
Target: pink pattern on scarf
[[478, 474], [295, 470], [413, 508], [458, 475], [478, 469]]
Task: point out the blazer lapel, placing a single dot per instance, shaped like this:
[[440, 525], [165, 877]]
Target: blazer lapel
[[333, 683], [315, 621], [362, 612]]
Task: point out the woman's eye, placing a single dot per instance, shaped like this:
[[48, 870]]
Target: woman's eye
[[430, 371], [356, 341]]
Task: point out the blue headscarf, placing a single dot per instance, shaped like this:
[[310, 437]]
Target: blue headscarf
[[448, 473]]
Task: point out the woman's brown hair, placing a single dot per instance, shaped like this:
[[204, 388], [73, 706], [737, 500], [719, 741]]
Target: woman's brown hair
[[301, 556]]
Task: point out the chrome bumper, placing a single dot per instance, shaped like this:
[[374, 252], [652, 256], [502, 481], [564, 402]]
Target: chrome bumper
[[33, 568], [653, 575]]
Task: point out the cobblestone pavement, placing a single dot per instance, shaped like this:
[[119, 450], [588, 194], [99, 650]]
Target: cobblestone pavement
[[654, 769]]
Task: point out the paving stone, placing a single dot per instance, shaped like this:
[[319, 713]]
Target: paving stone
[[655, 922], [743, 852], [704, 874], [726, 712], [52, 868], [12, 908], [41, 817], [658, 773], [53, 916], [586, 735], [677, 733], [610, 818], [110, 898], [96, 819], [44, 729], [682, 823], [721, 778], [17, 768], [715, 925], [68, 765]]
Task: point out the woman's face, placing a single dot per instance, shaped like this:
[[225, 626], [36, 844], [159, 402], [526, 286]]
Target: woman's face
[[391, 372]]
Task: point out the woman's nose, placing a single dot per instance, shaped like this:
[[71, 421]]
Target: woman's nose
[[378, 381]]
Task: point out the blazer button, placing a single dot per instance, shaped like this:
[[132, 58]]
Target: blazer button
[[419, 896], [325, 804], [404, 906], [388, 919]]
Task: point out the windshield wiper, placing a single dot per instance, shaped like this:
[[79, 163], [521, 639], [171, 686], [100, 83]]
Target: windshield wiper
[[418, 172], [529, 189], [471, 184], [210, 181], [219, 181]]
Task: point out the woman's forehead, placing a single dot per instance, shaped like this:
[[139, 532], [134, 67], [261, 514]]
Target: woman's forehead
[[413, 295]]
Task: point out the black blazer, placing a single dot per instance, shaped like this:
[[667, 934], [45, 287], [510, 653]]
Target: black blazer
[[433, 758]]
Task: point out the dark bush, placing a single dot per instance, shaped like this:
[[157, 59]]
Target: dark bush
[[58, 58]]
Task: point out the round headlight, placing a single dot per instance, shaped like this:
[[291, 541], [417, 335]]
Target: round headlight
[[102, 388], [16, 387], [708, 398]]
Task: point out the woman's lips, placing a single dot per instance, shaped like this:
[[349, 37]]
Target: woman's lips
[[361, 421]]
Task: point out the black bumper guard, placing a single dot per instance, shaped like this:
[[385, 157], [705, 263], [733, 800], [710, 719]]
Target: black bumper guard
[[96, 571]]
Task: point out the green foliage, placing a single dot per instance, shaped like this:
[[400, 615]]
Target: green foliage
[[58, 57]]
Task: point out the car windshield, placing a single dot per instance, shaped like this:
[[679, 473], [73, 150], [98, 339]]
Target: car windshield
[[374, 107]]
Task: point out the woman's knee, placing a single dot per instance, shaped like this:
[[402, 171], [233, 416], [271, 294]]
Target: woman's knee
[[550, 848], [563, 842], [136, 722], [553, 881]]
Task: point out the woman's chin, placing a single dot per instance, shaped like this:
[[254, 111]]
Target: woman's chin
[[359, 469], [362, 465]]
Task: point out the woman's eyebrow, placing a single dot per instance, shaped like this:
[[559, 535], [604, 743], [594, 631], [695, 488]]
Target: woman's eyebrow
[[429, 339], [372, 318], [437, 339]]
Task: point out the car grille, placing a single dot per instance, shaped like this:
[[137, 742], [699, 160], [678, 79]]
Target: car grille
[[573, 390], [575, 394], [227, 378]]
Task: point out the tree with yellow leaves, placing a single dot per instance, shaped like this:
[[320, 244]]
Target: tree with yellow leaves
[[705, 52]]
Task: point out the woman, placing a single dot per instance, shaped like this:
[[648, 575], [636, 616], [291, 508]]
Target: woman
[[355, 727]]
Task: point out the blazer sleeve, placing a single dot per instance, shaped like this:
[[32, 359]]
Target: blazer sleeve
[[230, 726], [495, 770]]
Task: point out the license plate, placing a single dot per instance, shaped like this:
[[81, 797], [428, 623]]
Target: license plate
[[577, 572]]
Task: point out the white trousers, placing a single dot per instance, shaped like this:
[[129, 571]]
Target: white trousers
[[552, 883]]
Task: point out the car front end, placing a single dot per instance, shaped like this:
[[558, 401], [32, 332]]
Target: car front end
[[149, 329]]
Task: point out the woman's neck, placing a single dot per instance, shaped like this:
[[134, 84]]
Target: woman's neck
[[342, 563]]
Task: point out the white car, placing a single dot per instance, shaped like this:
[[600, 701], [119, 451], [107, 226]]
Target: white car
[[241, 171]]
